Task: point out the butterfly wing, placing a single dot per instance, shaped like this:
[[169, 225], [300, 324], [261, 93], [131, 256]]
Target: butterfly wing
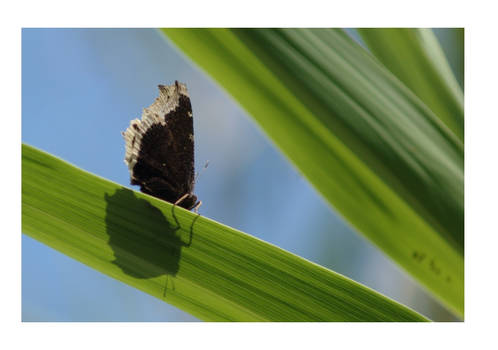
[[160, 146]]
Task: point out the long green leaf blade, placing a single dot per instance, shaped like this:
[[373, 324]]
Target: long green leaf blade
[[371, 148], [416, 58], [205, 268]]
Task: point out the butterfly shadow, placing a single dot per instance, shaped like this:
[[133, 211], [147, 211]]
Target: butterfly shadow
[[145, 244]]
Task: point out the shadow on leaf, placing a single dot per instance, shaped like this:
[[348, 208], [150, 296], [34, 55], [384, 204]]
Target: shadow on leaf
[[144, 243]]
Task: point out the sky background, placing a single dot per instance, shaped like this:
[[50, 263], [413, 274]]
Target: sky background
[[81, 88]]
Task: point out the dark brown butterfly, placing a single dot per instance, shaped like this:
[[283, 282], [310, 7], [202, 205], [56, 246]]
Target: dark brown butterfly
[[160, 148]]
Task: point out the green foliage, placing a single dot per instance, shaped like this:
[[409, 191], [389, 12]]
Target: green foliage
[[415, 57], [205, 268], [366, 142]]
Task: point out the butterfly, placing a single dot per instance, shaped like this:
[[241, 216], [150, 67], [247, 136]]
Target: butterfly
[[160, 148]]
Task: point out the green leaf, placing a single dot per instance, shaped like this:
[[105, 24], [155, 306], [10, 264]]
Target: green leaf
[[364, 140], [210, 270], [416, 58]]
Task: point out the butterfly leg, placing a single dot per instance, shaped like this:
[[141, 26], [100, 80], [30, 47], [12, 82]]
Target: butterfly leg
[[181, 199], [197, 206]]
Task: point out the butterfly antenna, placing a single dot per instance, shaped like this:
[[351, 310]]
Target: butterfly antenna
[[199, 173]]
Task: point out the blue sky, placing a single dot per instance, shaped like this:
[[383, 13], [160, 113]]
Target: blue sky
[[80, 89]]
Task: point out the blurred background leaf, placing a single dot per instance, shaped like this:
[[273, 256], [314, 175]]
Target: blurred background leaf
[[371, 147], [416, 58]]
